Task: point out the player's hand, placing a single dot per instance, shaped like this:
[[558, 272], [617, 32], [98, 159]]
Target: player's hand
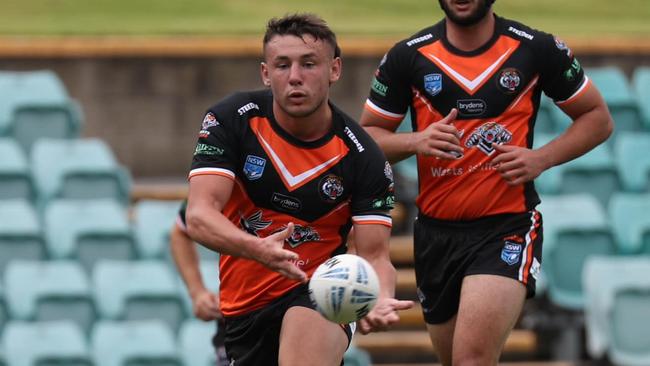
[[517, 164], [383, 315], [205, 305], [274, 256], [440, 139]]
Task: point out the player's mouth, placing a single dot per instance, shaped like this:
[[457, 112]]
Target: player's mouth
[[462, 5], [297, 96]]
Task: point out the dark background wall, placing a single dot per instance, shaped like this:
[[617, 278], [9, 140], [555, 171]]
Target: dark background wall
[[149, 109]]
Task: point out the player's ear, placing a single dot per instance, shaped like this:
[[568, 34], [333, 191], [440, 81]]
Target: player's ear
[[335, 70], [264, 73]]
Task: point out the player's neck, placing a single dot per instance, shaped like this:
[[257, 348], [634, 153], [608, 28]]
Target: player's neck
[[308, 128], [472, 37]]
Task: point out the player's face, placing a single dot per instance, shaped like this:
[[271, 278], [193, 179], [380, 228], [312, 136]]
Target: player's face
[[299, 72], [465, 12]]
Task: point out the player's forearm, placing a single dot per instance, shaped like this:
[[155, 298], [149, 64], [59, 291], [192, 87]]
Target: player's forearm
[[187, 261], [387, 276], [585, 133], [396, 146], [213, 230]]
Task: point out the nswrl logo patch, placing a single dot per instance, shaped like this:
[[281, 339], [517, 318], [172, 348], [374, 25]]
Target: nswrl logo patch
[[511, 253], [254, 167]]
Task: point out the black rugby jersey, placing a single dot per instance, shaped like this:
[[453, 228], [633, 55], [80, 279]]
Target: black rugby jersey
[[323, 186], [496, 89]]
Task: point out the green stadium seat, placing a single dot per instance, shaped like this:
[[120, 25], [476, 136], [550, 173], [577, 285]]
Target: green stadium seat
[[195, 342], [45, 343], [134, 343], [137, 290], [4, 312], [88, 231], [356, 357], [616, 90], [575, 228], [153, 222], [49, 290], [15, 175], [35, 105], [633, 161], [617, 308], [20, 233], [544, 122], [628, 213], [641, 87], [210, 275], [594, 173], [78, 169]]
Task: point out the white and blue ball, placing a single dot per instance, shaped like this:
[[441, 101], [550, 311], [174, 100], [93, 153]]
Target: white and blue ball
[[344, 288]]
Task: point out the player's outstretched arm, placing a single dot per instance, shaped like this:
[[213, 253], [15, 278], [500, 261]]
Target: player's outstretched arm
[[371, 242], [205, 304], [592, 124], [207, 225]]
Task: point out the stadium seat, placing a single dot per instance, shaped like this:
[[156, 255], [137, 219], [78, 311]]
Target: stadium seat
[[134, 343], [356, 357], [544, 122], [137, 290], [88, 231], [628, 213], [20, 233], [36, 105], [632, 161], [4, 312], [153, 222], [617, 291], [594, 173], [209, 274], [78, 169], [195, 342], [49, 290], [15, 176], [615, 89], [575, 228], [641, 87], [45, 343]]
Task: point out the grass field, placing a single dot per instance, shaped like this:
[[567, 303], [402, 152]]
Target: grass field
[[573, 18]]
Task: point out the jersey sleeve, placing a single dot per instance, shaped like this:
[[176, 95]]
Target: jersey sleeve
[[374, 195], [562, 76], [390, 93], [216, 149]]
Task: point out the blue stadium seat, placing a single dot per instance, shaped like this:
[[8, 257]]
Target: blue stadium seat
[[20, 233], [134, 343], [137, 290], [355, 356], [195, 342], [78, 169], [45, 343], [617, 309], [49, 290], [616, 90], [15, 176], [630, 218], [641, 87], [35, 105], [575, 228], [88, 231], [545, 122], [153, 222], [4, 312], [633, 161], [210, 275], [594, 173]]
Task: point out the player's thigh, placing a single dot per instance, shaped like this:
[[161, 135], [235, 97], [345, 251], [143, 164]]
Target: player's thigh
[[307, 338], [442, 336], [489, 308]]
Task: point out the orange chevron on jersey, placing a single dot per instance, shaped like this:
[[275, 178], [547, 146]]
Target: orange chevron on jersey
[[296, 165], [470, 73]]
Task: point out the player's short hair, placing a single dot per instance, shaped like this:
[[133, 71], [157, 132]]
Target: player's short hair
[[300, 24]]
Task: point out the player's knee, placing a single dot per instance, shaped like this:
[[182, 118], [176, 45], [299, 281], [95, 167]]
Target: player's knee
[[474, 356]]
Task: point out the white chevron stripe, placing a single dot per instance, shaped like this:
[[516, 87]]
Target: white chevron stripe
[[471, 84]]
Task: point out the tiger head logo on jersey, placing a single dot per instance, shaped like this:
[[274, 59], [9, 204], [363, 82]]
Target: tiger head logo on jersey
[[331, 187], [488, 134], [302, 234], [509, 80]]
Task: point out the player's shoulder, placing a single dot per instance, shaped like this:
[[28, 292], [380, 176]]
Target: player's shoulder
[[242, 104], [527, 35], [355, 137], [421, 38]]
